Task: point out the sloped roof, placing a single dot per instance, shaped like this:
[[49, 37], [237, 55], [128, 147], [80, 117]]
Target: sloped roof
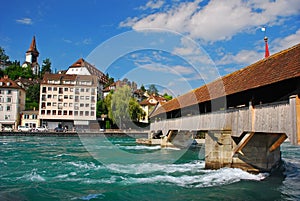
[[32, 47], [6, 82], [67, 77], [92, 69], [278, 67], [158, 99]]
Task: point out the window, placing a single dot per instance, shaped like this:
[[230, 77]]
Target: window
[[70, 112], [70, 104], [42, 112], [55, 97], [66, 96], [43, 105], [44, 90], [87, 113], [59, 112], [71, 89], [81, 113], [65, 104], [65, 112], [92, 113], [81, 105], [26, 116], [49, 96], [8, 108], [75, 113], [71, 96], [60, 90], [49, 88], [81, 97], [8, 99], [66, 89], [87, 90], [43, 97], [7, 117], [82, 90], [54, 104], [87, 98], [8, 91], [34, 116], [60, 106], [48, 112], [54, 88], [48, 103], [1, 107], [53, 112], [87, 105]]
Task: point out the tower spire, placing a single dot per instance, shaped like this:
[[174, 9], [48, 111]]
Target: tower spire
[[32, 47]]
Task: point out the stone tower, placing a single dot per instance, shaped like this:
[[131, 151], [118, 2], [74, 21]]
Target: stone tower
[[32, 57]]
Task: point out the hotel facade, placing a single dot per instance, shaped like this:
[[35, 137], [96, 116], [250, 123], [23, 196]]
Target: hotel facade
[[68, 101]]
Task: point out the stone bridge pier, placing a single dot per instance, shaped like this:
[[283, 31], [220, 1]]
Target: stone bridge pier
[[253, 152]]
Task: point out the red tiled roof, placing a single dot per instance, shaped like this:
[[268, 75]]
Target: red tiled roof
[[67, 77], [32, 47], [278, 67], [8, 83]]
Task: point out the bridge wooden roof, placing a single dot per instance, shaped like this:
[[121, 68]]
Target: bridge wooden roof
[[278, 67]]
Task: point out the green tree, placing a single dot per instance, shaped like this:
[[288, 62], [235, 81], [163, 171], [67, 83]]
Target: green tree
[[101, 108], [143, 88], [32, 97], [4, 59], [135, 111], [14, 71], [111, 80], [167, 96], [152, 90], [46, 67], [123, 108]]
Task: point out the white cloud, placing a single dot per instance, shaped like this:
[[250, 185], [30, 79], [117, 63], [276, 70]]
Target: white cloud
[[218, 20], [27, 21], [284, 43], [153, 4], [250, 56], [242, 57], [158, 67]]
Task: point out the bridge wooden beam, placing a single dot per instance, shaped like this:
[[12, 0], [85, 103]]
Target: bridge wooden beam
[[243, 142], [278, 142]]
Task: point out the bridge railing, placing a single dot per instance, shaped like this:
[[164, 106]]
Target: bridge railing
[[269, 118]]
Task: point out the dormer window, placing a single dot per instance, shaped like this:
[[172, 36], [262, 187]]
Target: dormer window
[[8, 83], [1, 83]]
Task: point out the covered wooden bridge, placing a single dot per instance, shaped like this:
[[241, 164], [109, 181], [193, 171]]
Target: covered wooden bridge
[[246, 115]]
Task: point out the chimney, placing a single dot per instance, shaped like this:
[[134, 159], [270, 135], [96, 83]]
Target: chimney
[[267, 54]]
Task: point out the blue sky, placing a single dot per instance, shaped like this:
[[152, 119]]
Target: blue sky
[[177, 45]]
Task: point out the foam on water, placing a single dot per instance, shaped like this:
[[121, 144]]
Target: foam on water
[[146, 168], [33, 176], [140, 147], [84, 165], [219, 177]]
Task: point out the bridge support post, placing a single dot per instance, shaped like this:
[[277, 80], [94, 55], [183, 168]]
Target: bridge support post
[[252, 152]]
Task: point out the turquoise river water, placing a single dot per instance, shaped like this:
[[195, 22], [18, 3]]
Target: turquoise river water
[[73, 168]]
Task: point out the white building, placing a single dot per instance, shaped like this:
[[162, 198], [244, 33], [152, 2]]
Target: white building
[[68, 100], [82, 67], [12, 102]]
